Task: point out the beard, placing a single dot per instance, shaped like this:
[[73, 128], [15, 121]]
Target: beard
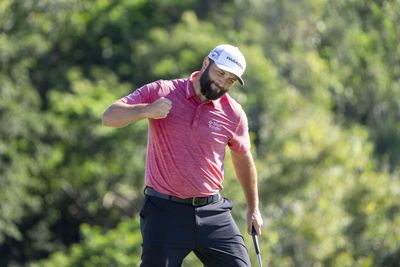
[[208, 88]]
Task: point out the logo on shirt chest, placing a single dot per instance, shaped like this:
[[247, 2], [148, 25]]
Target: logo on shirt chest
[[214, 125]]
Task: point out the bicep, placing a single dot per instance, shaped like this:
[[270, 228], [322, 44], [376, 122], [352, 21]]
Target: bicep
[[143, 95], [240, 140]]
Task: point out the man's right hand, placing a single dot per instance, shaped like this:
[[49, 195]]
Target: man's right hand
[[160, 108]]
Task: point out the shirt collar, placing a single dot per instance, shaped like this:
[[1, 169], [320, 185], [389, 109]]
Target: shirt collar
[[189, 91]]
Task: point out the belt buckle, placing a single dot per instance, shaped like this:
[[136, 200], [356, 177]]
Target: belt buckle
[[198, 201]]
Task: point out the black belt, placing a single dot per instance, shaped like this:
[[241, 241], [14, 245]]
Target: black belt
[[194, 201]]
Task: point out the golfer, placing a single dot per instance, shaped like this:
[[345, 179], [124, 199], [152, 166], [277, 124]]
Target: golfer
[[191, 121]]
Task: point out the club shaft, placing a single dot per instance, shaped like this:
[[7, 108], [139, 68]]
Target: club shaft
[[256, 246], [259, 260]]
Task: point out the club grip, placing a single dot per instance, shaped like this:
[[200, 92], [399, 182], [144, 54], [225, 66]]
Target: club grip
[[255, 240]]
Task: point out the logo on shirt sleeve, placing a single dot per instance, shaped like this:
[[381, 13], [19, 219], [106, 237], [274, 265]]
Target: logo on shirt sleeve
[[215, 125], [133, 95]]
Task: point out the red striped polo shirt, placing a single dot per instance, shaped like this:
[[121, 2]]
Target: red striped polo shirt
[[186, 150]]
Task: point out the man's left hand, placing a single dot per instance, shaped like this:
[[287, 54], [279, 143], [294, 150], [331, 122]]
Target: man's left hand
[[254, 219]]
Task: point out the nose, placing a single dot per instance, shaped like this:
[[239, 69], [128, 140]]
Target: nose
[[221, 82]]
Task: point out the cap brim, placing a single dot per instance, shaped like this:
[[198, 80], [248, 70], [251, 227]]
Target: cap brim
[[225, 68]]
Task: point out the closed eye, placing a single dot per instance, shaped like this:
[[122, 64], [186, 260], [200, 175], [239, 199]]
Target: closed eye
[[231, 81], [220, 73]]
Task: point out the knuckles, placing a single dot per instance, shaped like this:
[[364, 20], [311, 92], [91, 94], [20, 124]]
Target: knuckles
[[161, 108]]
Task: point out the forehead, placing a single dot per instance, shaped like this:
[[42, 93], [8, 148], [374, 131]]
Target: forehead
[[228, 75]]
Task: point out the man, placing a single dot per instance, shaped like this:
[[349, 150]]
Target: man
[[191, 121]]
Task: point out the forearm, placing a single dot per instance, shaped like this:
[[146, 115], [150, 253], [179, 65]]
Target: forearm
[[247, 176], [120, 114]]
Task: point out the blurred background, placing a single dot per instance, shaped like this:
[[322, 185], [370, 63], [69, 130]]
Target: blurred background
[[322, 95]]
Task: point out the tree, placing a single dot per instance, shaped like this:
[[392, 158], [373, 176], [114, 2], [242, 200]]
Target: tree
[[321, 94]]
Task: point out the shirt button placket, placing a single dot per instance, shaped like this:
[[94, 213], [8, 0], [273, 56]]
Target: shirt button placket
[[195, 122]]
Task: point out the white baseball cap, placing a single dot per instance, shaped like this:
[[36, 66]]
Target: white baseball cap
[[229, 58]]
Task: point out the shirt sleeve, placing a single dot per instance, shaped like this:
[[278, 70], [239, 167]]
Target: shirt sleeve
[[146, 94], [240, 141]]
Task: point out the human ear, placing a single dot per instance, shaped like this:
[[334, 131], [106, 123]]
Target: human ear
[[206, 61]]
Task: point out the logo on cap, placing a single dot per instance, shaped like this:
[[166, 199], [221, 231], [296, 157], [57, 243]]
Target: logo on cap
[[235, 61], [216, 53]]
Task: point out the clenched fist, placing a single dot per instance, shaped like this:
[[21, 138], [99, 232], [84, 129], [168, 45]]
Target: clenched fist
[[160, 108]]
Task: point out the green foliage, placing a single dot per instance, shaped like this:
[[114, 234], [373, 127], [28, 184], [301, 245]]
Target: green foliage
[[318, 190], [322, 96], [117, 247]]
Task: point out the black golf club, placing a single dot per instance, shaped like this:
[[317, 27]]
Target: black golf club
[[256, 246]]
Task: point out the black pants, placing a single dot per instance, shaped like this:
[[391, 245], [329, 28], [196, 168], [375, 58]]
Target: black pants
[[171, 230]]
